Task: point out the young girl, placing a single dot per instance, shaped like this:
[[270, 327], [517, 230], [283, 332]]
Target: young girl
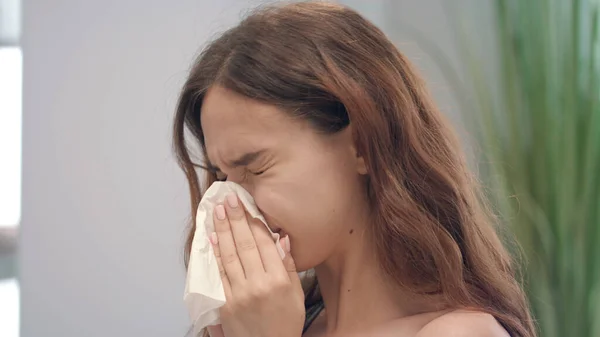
[[313, 110]]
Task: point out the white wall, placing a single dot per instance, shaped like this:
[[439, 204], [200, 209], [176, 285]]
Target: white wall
[[104, 205]]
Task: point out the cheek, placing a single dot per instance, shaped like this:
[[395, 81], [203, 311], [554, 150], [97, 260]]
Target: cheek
[[306, 209], [314, 212], [275, 205], [285, 205]]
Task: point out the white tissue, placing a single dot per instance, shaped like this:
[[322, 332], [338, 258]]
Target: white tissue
[[204, 293]]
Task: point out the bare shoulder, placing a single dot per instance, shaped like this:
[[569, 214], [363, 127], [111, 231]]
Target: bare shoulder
[[463, 323]]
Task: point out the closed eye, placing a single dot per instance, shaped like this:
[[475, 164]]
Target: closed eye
[[261, 170], [220, 176], [257, 173]]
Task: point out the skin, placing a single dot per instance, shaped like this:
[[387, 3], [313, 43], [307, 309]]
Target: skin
[[312, 187]]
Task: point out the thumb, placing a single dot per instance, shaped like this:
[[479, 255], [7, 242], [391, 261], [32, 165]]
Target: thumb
[[288, 262], [215, 331]]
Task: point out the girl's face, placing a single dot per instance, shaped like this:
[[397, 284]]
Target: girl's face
[[308, 185]]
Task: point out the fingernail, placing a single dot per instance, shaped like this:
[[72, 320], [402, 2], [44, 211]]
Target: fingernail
[[220, 212], [232, 200], [287, 244], [214, 239], [282, 245]]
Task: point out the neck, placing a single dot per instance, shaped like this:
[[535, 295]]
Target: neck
[[351, 278]]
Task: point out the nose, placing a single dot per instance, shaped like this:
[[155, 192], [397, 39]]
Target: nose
[[247, 186]]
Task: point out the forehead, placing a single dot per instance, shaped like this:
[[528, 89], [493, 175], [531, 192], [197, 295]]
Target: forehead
[[233, 124]]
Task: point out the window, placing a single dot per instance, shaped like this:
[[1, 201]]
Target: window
[[9, 308], [10, 136], [11, 70]]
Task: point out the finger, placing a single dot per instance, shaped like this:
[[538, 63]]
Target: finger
[[245, 244], [271, 259], [229, 258], [289, 264], [215, 330], [224, 279]]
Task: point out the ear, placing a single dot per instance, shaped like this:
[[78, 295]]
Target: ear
[[361, 166], [345, 136]]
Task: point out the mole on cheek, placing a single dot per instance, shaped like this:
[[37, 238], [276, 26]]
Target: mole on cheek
[[351, 231]]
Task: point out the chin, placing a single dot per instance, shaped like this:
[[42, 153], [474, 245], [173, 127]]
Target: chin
[[308, 253], [304, 260], [303, 267]]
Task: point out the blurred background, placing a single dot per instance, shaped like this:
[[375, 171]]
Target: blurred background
[[93, 207]]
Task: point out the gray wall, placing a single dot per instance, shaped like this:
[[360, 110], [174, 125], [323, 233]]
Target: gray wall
[[104, 205]]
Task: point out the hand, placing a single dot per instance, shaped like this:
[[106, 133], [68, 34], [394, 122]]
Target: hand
[[263, 293]]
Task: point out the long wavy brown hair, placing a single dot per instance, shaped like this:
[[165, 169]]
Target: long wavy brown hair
[[327, 64]]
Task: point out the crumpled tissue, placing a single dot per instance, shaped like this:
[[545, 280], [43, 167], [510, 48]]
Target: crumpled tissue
[[204, 293]]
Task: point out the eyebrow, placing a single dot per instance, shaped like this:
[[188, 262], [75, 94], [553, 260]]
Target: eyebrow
[[244, 160]]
